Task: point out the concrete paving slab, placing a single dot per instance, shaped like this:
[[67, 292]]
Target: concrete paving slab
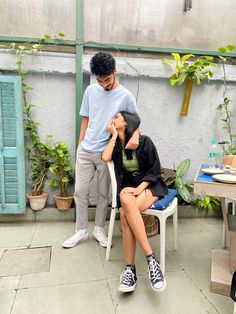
[[87, 298], [6, 301], [9, 283], [16, 234], [180, 297], [200, 257], [116, 264], [186, 225], [79, 264], [84, 267], [194, 240], [201, 277], [25, 261], [48, 233]]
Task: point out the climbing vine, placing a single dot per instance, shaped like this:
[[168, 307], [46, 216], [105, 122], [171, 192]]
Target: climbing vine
[[37, 152], [225, 106]]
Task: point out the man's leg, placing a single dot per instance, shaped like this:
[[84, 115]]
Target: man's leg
[[84, 173], [103, 183]]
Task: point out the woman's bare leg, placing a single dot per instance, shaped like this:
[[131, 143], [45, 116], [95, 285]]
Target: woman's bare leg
[[132, 207], [129, 241]]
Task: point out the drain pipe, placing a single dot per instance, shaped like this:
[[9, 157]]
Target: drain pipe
[[79, 62]]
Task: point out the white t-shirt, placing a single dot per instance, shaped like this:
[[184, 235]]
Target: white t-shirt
[[101, 106]]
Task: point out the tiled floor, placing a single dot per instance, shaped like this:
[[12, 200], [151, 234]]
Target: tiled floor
[[80, 281]]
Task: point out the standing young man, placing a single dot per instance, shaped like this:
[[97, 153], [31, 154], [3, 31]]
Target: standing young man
[[100, 103]]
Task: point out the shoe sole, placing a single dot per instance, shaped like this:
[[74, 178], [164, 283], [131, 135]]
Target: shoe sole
[[161, 289], [65, 246], [103, 245], [128, 289]]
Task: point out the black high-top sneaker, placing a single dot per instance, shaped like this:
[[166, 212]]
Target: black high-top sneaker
[[157, 280], [128, 279]]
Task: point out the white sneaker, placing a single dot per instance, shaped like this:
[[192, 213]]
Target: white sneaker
[[100, 235], [79, 236]]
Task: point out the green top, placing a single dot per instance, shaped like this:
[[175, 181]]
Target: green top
[[130, 165]]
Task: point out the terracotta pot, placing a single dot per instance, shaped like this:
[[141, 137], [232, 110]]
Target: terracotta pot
[[63, 202], [37, 202], [228, 159], [233, 164]]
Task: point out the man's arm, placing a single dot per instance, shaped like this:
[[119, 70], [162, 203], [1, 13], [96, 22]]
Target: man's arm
[[83, 127], [134, 140]]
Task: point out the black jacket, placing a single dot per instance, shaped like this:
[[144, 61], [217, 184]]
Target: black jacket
[[149, 166]]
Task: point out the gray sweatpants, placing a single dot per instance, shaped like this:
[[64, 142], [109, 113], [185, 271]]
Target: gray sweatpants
[[87, 164]]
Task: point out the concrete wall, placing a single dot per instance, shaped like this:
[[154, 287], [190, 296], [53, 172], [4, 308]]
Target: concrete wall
[[209, 25], [53, 78]]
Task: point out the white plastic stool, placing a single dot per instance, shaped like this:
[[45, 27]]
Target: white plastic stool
[[162, 215]]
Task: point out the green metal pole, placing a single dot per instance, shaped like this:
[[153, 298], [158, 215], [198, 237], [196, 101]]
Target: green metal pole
[[79, 62]]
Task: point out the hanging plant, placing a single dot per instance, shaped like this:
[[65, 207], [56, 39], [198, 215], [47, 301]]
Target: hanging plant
[[188, 72]]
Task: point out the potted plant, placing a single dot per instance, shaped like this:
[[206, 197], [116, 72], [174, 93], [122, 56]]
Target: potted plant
[[189, 72], [38, 159], [62, 174]]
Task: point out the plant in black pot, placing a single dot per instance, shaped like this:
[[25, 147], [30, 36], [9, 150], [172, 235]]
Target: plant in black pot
[[62, 174]]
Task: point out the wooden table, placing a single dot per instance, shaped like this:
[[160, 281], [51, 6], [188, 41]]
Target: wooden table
[[223, 261]]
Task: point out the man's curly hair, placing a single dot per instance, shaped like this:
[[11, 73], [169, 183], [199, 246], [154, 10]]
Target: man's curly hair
[[102, 63]]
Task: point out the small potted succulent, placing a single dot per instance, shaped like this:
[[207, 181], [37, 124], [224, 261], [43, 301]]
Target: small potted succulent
[[62, 174]]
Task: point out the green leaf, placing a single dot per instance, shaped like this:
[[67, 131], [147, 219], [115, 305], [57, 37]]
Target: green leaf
[[61, 34], [65, 179], [182, 168], [184, 193], [53, 182], [186, 57], [54, 169], [230, 47], [176, 56], [222, 50], [167, 61], [178, 183], [47, 36], [209, 58]]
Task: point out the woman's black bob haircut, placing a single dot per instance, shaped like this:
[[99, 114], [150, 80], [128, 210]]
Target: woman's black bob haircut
[[102, 63], [133, 121]]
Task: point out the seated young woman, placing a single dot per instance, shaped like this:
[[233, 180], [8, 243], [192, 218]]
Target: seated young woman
[[139, 181]]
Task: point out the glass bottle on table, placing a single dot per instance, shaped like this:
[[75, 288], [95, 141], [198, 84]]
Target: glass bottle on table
[[213, 153], [221, 154]]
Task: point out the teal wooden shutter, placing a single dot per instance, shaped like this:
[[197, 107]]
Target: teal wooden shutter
[[12, 162]]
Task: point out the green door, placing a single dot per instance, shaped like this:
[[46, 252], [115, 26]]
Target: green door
[[12, 162]]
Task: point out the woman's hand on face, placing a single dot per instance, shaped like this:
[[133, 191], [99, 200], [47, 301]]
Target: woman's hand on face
[[111, 128]]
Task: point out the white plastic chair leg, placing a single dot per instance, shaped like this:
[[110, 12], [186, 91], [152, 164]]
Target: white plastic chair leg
[[110, 232], [175, 226], [162, 243]]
